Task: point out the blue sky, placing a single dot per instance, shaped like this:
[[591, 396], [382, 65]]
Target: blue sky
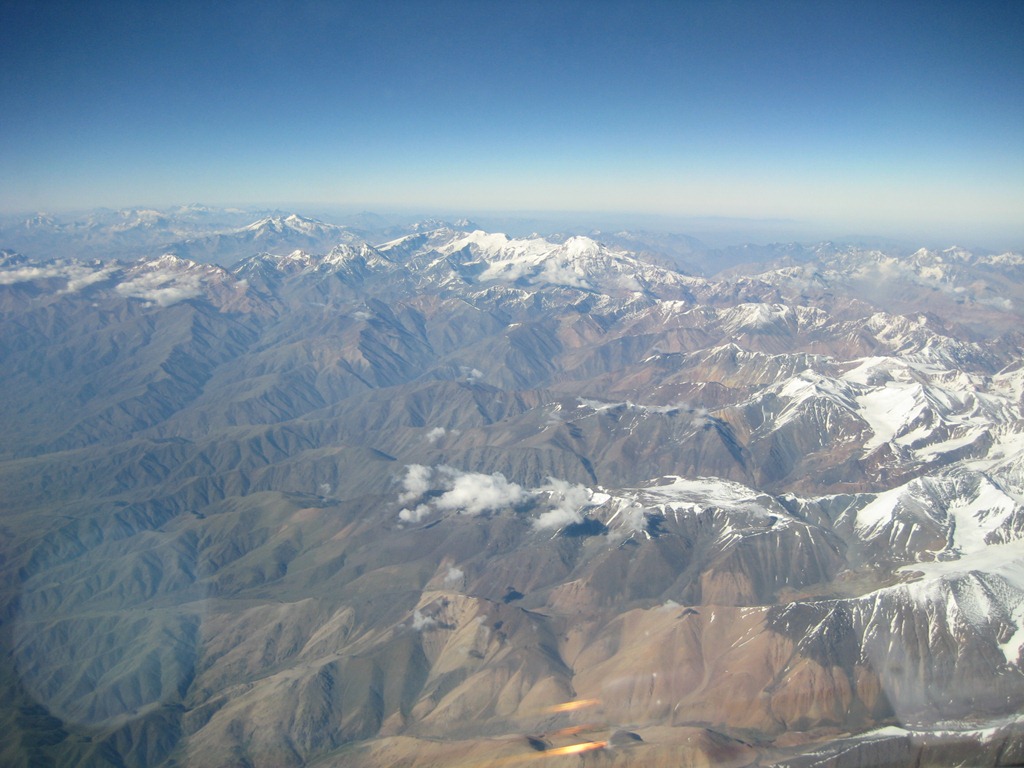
[[885, 117]]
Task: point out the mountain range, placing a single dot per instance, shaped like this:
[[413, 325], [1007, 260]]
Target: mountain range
[[284, 493]]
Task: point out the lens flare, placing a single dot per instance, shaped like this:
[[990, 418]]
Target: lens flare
[[572, 706], [575, 749]]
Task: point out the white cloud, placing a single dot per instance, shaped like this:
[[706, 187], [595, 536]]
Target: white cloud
[[163, 288], [81, 277], [467, 493], [561, 274], [633, 518], [446, 489], [324, 489], [473, 493], [435, 434], [421, 622], [415, 514], [701, 416], [557, 518], [568, 501], [78, 276], [454, 577], [415, 483], [26, 274]]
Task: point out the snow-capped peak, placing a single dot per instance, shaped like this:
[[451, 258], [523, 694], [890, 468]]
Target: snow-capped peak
[[290, 223]]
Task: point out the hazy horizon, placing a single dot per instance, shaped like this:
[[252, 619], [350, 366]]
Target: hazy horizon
[[711, 231], [895, 120]]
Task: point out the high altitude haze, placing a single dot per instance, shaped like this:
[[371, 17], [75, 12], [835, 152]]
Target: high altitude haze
[[884, 117]]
